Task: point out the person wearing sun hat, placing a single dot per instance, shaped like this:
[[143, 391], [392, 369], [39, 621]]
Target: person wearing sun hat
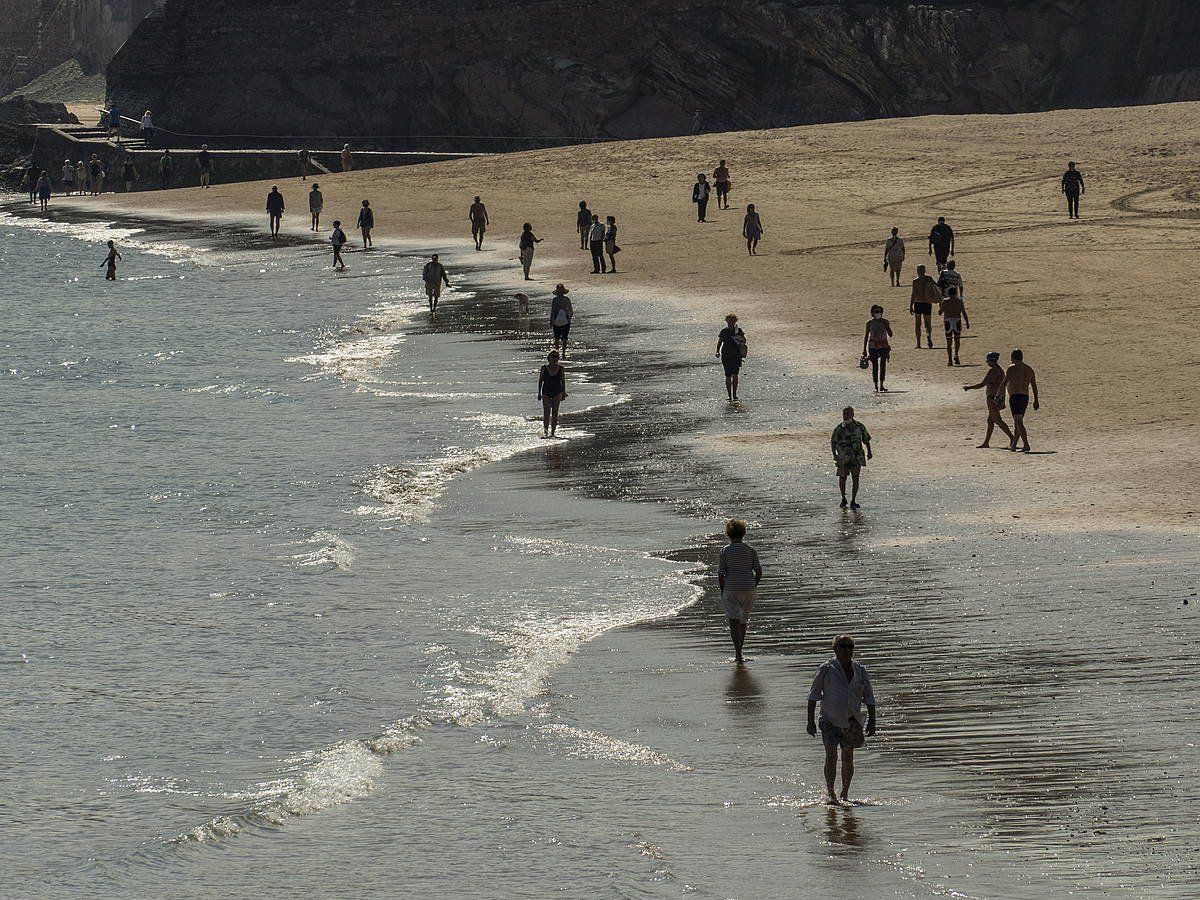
[[561, 314]]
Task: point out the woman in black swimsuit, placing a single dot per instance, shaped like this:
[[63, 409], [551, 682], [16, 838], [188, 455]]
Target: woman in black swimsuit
[[552, 390]]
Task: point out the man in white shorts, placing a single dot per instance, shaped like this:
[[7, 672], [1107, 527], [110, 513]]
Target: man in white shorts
[[738, 575]]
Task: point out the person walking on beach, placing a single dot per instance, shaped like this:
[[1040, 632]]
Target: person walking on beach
[[552, 390], [434, 275], [941, 242], [81, 177], [302, 159], [954, 319], [478, 215], [32, 174], [1020, 381], [337, 238], [561, 314], [925, 293], [738, 575], [316, 203], [43, 189], [583, 224], [526, 246], [129, 173], [1072, 186], [752, 229], [876, 346], [721, 183], [366, 222], [732, 349], [950, 277], [842, 686], [347, 159], [148, 129], [991, 385], [847, 443], [893, 257], [96, 175], [596, 243], [110, 262], [610, 243], [700, 193], [166, 168], [204, 164], [275, 209], [68, 177], [114, 124]]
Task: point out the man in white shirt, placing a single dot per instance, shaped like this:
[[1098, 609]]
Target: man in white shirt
[[842, 686]]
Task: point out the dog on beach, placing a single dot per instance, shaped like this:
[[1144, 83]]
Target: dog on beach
[[523, 304]]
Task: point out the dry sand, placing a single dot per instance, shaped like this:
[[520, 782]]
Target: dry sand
[[1100, 306]]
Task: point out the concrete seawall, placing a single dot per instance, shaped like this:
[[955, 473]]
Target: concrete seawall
[[53, 144]]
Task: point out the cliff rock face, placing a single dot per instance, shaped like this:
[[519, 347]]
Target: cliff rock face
[[384, 69], [37, 35]]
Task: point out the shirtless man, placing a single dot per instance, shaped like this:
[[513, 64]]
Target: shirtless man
[[925, 293], [479, 222], [1020, 381], [954, 319], [995, 398], [721, 183]]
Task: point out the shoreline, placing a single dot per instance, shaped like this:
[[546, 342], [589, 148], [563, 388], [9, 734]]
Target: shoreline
[[797, 305]]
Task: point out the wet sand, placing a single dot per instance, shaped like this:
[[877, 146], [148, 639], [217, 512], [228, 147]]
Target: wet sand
[[1093, 303]]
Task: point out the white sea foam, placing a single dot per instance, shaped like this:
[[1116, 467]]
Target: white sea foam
[[312, 782], [329, 550], [579, 743], [356, 360]]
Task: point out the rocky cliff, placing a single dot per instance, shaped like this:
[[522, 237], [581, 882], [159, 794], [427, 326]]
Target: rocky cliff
[[37, 35], [616, 68]]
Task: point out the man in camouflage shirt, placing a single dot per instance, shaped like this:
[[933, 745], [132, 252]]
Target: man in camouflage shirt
[[847, 443]]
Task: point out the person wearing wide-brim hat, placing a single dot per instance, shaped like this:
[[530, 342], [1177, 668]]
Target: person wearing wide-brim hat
[[561, 313]]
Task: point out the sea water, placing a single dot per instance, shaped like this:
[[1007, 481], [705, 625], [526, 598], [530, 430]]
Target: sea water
[[299, 601]]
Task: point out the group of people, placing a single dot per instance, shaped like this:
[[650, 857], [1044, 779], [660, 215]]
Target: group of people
[[598, 237], [948, 293], [702, 192]]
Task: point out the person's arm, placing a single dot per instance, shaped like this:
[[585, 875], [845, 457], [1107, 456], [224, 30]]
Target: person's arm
[[1064, 184], [866, 335], [757, 569], [912, 298], [1033, 387], [541, 378], [833, 444], [888, 325], [869, 700], [1082, 189], [445, 276], [722, 570], [952, 243], [866, 437], [975, 387], [720, 341], [966, 321], [486, 220], [815, 693]]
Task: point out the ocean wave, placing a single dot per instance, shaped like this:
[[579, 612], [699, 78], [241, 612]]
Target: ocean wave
[[579, 743], [312, 782], [331, 551], [356, 360]]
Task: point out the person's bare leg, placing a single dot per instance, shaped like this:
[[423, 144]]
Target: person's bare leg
[[842, 488], [928, 332], [830, 772], [1003, 425], [738, 635], [735, 385], [987, 438], [917, 328], [882, 372], [1018, 431], [729, 386], [957, 345], [612, 263], [554, 418], [545, 419], [847, 771], [854, 488]]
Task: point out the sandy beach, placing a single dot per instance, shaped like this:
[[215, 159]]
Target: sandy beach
[[1090, 302]]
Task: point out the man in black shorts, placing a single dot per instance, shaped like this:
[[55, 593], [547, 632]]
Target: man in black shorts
[[1020, 381], [925, 293], [721, 183], [941, 242]]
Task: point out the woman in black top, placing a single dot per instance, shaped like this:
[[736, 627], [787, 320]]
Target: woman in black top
[[366, 222], [731, 347], [552, 390], [528, 239], [610, 244]]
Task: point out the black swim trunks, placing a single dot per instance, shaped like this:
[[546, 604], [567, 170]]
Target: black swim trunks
[[1018, 403], [879, 353], [732, 363], [922, 309]]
